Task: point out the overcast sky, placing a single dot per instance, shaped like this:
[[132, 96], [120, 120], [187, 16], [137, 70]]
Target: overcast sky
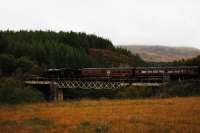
[[150, 22]]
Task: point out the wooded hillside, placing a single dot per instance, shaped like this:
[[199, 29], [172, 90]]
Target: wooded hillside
[[33, 51]]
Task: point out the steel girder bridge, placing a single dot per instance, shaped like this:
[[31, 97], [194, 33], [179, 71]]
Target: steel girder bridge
[[57, 86]]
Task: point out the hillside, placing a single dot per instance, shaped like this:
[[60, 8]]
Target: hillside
[[117, 58], [25, 52], [163, 53]]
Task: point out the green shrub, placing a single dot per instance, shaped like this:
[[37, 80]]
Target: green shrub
[[87, 127], [13, 91], [36, 121], [172, 89], [84, 127], [181, 89], [101, 128], [136, 92]]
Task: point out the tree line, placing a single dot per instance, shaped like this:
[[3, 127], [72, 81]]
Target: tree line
[[190, 62], [34, 51]]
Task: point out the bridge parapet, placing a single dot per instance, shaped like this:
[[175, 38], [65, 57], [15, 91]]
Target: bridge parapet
[[81, 84], [37, 82], [91, 84]]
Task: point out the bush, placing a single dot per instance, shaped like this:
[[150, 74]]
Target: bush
[[88, 93], [24, 64], [13, 91], [87, 127], [172, 89], [7, 64], [180, 89], [136, 92]]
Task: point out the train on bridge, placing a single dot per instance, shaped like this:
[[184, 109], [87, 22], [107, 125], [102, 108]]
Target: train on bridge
[[110, 78], [139, 73]]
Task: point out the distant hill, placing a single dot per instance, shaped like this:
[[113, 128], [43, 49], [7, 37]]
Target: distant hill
[[163, 53]]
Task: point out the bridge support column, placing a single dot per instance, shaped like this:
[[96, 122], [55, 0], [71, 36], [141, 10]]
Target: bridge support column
[[56, 93], [60, 94]]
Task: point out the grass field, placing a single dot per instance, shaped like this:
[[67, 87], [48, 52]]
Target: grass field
[[181, 115]]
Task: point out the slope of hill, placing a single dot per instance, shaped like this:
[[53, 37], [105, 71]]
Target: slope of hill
[[35, 51], [118, 59], [162, 53]]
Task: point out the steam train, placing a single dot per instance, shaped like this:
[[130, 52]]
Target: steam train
[[124, 73]]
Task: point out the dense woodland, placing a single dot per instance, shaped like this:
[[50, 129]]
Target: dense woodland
[[34, 51], [25, 53], [190, 62]]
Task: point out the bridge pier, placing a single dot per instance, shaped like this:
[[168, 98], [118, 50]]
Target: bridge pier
[[56, 93], [60, 94]]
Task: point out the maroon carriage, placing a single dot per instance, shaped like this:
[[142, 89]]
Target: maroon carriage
[[107, 72]]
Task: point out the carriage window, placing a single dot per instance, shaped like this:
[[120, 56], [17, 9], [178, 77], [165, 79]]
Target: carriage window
[[155, 71], [149, 71], [161, 71], [143, 71]]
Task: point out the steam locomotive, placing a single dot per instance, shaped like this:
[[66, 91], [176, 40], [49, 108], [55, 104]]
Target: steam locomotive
[[124, 73]]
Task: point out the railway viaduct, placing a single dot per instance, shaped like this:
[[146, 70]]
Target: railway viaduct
[[57, 85]]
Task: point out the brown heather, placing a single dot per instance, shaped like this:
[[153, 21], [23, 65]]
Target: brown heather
[[173, 115]]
